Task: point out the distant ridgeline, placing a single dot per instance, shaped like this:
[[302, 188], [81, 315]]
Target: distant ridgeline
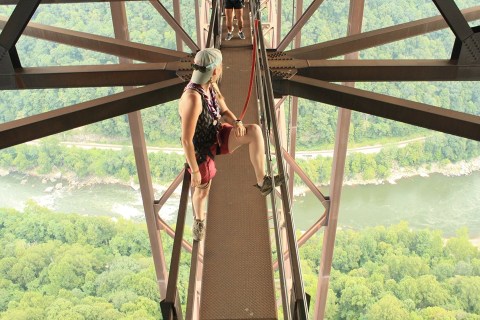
[[66, 266]]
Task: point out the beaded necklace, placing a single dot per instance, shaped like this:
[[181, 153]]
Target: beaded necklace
[[212, 103]]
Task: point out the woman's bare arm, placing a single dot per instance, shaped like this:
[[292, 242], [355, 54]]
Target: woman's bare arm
[[190, 107]]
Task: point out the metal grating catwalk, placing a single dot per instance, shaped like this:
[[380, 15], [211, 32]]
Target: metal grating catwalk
[[237, 278]]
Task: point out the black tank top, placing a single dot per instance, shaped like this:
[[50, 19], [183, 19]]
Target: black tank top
[[208, 124]]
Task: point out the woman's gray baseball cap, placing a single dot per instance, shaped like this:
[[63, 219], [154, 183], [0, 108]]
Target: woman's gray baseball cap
[[205, 62]]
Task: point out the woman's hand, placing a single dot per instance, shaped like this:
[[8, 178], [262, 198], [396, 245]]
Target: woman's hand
[[239, 128], [196, 178]]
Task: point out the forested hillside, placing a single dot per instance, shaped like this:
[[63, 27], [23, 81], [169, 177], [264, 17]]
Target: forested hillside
[[66, 267]]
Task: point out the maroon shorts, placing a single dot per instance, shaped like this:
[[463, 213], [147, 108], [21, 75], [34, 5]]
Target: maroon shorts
[[207, 168]]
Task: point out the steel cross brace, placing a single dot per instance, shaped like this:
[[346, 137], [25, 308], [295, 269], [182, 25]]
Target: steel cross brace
[[19, 19], [470, 39]]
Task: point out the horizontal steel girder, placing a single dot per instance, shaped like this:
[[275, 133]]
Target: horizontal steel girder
[[414, 113], [121, 48], [377, 70], [48, 123], [89, 76], [354, 43]]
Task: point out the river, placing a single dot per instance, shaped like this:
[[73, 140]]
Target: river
[[436, 202]]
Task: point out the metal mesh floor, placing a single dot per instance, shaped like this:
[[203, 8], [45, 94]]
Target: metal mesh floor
[[237, 278]]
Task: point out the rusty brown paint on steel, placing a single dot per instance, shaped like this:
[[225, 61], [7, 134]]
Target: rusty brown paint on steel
[[298, 17], [120, 26], [198, 24], [121, 48], [414, 113], [389, 70], [179, 31], [327, 70], [355, 20], [293, 142], [45, 124], [294, 106], [353, 43], [278, 26], [298, 170], [87, 76]]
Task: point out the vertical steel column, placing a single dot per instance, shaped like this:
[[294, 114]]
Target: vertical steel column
[[177, 15], [198, 25], [278, 33], [298, 16], [119, 18], [338, 168], [294, 109], [293, 142], [272, 19]]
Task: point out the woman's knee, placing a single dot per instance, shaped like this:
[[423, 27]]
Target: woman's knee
[[254, 130], [201, 194]]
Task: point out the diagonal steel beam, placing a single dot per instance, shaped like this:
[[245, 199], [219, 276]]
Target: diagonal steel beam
[[179, 31], [414, 113], [358, 42], [45, 124], [87, 76], [19, 19], [12, 31], [461, 29], [299, 24], [453, 16], [378, 70], [122, 48], [120, 27]]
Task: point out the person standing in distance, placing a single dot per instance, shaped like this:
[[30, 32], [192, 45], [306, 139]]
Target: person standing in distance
[[230, 6]]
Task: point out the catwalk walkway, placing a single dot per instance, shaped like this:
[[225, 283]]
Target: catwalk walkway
[[237, 278]]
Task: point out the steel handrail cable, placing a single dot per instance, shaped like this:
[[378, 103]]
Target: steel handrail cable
[[263, 100], [300, 309]]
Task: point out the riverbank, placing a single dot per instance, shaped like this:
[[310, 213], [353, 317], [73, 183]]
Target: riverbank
[[70, 181], [460, 168]]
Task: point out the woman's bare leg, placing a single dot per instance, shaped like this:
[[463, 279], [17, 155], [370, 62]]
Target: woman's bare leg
[[199, 198], [229, 19], [239, 15], [256, 148]]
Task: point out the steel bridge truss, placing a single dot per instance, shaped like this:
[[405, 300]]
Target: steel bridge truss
[[300, 72]]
